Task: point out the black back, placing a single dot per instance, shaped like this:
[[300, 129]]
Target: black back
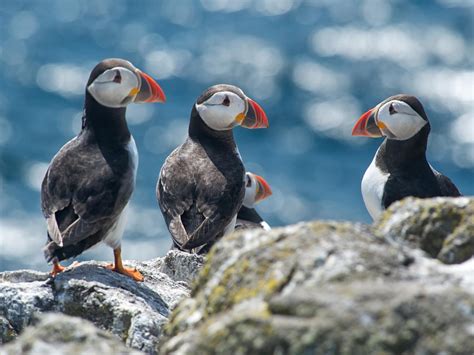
[[201, 185]]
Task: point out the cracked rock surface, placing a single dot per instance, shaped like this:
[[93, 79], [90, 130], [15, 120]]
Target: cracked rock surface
[[133, 312]]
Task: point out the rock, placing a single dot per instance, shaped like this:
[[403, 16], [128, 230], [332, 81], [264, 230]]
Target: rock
[[180, 267], [60, 334], [7, 333], [319, 287], [135, 312], [442, 227], [22, 294], [323, 288]]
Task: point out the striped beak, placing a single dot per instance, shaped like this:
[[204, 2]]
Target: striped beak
[[366, 126], [255, 117], [263, 188], [149, 90]]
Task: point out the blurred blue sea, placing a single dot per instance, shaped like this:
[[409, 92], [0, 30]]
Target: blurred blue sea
[[313, 65]]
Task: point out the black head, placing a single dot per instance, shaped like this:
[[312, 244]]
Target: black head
[[107, 64], [410, 100], [210, 91]]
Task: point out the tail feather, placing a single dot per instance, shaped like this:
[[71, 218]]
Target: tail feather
[[53, 250]]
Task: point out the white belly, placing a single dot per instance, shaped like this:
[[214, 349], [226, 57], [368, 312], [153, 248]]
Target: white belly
[[114, 236], [372, 187], [133, 152]]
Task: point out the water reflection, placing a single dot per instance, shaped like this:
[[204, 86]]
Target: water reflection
[[315, 66]]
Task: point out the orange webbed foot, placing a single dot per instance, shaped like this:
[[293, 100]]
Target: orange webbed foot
[[127, 271], [57, 268], [118, 267]]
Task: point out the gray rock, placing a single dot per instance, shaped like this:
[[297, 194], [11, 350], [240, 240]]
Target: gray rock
[[324, 288], [442, 227], [180, 267], [59, 334], [22, 294], [135, 312]]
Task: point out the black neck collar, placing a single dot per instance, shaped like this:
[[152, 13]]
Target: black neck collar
[[108, 124], [395, 155]]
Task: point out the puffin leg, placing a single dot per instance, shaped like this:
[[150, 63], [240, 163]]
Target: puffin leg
[[118, 267], [57, 268]]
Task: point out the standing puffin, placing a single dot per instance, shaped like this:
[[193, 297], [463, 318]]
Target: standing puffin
[[399, 168], [256, 190], [89, 182], [201, 184]]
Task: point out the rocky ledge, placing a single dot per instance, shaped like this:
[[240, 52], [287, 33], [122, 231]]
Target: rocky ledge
[[403, 285], [338, 288], [133, 312]]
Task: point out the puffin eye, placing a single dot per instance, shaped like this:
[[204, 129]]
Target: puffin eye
[[248, 182], [226, 101], [117, 77], [391, 109]]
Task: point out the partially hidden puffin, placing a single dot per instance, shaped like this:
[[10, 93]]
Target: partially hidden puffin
[[88, 184], [256, 190], [201, 184], [399, 168]]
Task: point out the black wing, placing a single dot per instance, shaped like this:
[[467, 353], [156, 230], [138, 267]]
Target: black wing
[[398, 187], [82, 192], [249, 214], [446, 186], [175, 194]]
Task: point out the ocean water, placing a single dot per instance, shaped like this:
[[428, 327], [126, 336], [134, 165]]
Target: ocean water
[[313, 65]]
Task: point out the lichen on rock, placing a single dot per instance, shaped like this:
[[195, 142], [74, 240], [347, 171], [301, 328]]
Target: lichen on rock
[[442, 227], [317, 287], [326, 288]]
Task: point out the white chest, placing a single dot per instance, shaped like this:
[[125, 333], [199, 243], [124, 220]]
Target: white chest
[[372, 188], [133, 153]]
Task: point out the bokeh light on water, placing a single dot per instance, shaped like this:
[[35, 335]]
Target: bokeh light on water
[[314, 65]]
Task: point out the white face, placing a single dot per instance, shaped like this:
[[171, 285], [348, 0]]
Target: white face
[[250, 191], [221, 110], [400, 120], [116, 87]]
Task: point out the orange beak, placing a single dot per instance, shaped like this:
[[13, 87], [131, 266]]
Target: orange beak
[[149, 90], [366, 126], [255, 118], [263, 189]]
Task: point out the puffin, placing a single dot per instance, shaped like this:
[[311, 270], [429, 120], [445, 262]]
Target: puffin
[[87, 186], [399, 168], [256, 190], [201, 186]]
